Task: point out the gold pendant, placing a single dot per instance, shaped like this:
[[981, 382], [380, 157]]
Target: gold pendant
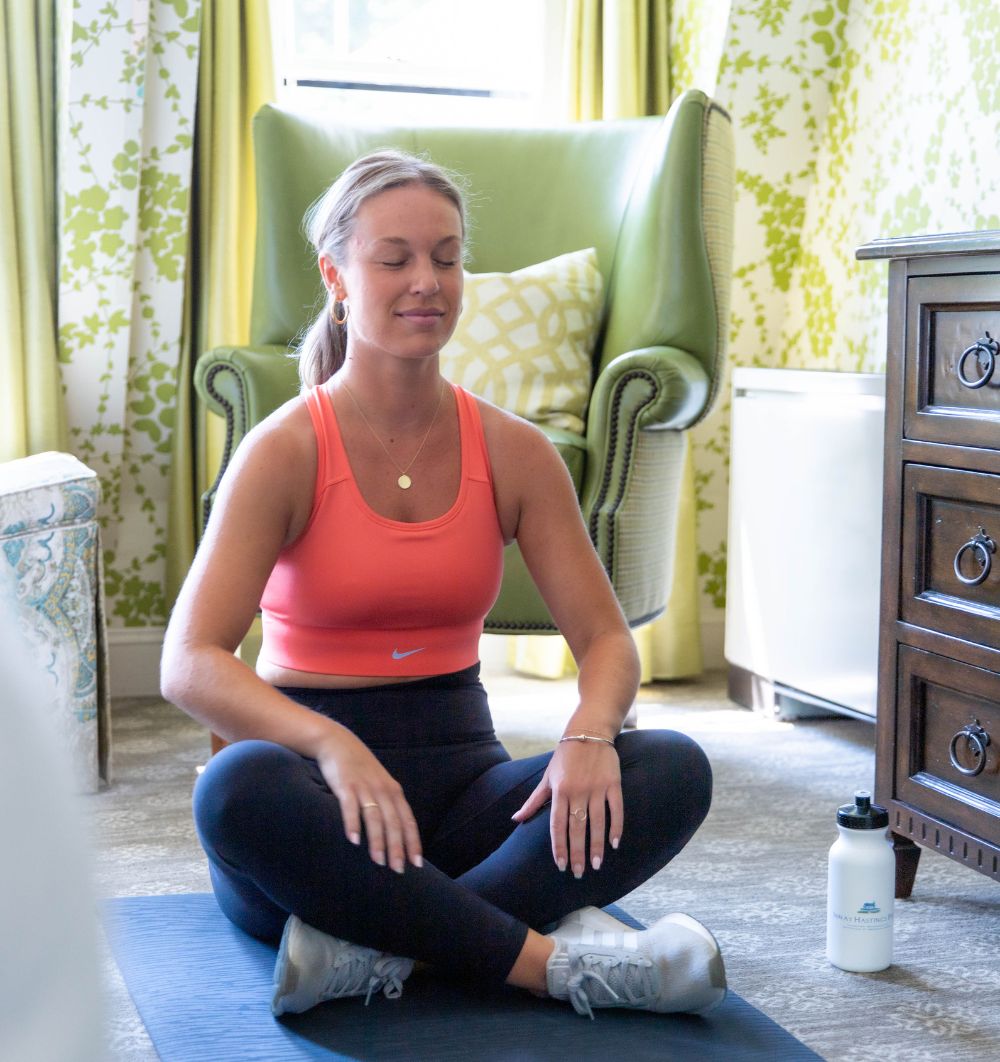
[[405, 482]]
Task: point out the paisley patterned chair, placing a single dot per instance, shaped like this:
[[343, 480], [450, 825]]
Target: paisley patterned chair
[[50, 580]]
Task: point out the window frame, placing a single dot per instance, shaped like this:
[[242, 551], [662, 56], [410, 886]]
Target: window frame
[[374, 91]]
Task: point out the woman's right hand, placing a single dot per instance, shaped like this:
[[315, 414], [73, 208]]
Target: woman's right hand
[[371, 797]]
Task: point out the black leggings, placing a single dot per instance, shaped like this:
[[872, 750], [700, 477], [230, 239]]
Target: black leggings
[[275, 840]]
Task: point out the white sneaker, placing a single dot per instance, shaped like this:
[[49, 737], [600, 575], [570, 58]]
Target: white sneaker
[[591, 925], [673, 967], [313, 967]]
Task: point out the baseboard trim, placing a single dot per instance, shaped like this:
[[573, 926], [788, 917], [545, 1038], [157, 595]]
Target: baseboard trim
[[134, 660], [713, 640]]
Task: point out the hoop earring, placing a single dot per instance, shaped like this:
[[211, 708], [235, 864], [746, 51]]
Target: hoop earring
[[333, 313]]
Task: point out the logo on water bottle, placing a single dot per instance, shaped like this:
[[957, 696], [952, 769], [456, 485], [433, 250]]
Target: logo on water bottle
[[868, 916]]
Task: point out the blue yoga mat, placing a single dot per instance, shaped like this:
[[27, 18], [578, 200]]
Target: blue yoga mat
[[203, 989]]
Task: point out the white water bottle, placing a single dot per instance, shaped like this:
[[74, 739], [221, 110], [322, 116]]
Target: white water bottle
[[861, 889]]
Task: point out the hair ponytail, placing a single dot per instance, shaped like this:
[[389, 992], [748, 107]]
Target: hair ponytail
[[322, 350]]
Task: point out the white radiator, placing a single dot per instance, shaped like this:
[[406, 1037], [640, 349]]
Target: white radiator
[[805, 516]]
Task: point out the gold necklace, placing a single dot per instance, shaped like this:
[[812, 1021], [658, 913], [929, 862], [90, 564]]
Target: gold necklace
[[404, 482]]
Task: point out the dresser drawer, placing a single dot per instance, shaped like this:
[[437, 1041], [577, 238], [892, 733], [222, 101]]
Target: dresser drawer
[[952, 373], [950, 567], [948, 730]]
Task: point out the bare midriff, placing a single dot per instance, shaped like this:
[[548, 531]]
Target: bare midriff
[[286, 676]]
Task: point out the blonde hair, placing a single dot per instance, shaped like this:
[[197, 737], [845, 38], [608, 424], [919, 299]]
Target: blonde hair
[[329, 224]]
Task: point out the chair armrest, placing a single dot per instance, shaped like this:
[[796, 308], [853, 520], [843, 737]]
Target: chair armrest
[[660, 387], [520, 609], [641, 403], [243, 385]]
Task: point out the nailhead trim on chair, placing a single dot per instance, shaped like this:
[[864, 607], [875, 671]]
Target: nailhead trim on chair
[[507, 627], [227, 453], [542, 628], [598, 513]]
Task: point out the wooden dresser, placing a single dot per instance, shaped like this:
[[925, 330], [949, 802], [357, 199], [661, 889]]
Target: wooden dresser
[[938, 722]]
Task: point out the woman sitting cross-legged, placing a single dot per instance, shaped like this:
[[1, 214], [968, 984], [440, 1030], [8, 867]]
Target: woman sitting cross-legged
[[365, 814]]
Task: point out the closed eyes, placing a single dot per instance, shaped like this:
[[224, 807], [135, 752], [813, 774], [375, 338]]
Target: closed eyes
[[437, 261]]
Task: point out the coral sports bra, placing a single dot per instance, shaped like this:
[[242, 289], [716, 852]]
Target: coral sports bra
[[359, 594]]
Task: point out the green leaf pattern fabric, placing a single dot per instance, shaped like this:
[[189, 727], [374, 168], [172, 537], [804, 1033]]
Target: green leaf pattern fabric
[[128, 80], [853, 120]]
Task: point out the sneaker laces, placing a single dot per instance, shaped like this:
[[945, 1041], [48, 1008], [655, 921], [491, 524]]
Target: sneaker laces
[[360, 971], [348, 974], [634, 976], [388, 973]]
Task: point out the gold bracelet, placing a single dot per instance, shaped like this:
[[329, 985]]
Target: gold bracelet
[[586, 737]]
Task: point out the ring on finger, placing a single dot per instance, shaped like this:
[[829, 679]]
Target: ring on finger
[[370, 804], [580, 814]]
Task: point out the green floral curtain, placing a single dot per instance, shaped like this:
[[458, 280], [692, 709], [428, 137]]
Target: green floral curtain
[[32, 417], [235, 79], [617, 57], [126, 134], [154, 247]]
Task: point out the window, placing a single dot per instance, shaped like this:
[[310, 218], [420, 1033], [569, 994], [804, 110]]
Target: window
[[422, 61]]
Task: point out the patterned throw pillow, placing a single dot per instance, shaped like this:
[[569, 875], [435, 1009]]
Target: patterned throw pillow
[[525, 340]]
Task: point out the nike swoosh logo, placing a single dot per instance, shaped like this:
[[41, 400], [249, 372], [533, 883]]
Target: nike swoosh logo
[[397, 655]]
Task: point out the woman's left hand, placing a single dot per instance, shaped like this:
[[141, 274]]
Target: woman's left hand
[[583, 782]]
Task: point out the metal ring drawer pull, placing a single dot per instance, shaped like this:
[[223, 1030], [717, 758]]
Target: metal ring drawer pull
[[985, 351], [978, 739], [983, 547]]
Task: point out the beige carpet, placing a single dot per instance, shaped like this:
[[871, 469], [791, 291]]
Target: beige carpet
[[755, 873]]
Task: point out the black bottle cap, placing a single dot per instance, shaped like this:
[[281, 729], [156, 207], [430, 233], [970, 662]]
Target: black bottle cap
[[862, 814]]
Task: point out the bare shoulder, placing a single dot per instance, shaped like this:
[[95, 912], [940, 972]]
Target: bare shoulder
[[516, 446], [528, 472], [503, 428], [274, 466], [285, 433]]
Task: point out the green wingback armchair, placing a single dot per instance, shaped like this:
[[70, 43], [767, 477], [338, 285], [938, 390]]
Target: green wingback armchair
[[654, 196]]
